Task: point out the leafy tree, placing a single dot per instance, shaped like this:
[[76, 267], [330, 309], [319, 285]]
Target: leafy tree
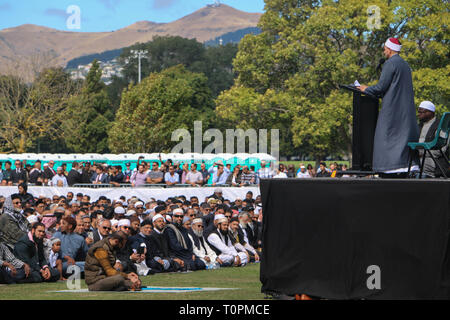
[[307, 48], [163, 52], [168, 51], [162, 103], [89, 116], [33, 112]]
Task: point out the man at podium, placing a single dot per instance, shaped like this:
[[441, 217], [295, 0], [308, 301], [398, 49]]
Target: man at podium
[[396, 125]]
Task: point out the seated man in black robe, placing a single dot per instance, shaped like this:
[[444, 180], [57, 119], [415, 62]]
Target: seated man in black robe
[[159, 248], [179, 243]]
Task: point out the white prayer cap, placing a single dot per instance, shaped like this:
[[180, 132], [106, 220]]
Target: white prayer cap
[[428, 105], [114, 222], [130, 213], [219, 216], [197, 220], [157, 216], [52, 241], [178, 210], [222, 220], [33, 219], [123, 222], [119, 210], [139, 203]]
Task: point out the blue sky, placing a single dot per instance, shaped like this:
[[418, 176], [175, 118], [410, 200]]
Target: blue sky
[[106, 15]]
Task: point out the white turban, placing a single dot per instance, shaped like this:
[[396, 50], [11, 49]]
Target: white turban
[[119, 210], [124, 222], [157, 216], [178, 210]]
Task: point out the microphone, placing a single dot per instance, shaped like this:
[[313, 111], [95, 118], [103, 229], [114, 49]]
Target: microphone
[[382, 60]]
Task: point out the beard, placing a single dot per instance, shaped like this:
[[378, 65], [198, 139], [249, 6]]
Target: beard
[[244, 225], [198, 233], [223, 232], [37, 240]]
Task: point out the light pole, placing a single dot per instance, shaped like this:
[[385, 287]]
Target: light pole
[[139, 54]]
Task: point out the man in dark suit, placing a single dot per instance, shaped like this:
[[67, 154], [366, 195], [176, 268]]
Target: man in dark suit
[[159, 247], [74, 177], [49, 172], [99, 177], [19, 174], [103, 230]]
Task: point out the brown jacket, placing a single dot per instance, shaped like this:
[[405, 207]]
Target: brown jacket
[[100, 261]]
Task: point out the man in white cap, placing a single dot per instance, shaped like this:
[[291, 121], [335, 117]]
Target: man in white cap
[[201, 247], [428, 126], [222, 245], [159, 247], [302, 173], [126, 255], [119, 212], [396, 125]]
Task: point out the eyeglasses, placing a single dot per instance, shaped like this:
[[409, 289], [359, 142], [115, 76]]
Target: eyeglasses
[[199, 226], [107, 228], [178, 216], [192, 215], [16, 202], [125, 227]]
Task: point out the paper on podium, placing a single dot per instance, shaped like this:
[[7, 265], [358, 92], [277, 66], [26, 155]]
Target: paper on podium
[[357, 83]]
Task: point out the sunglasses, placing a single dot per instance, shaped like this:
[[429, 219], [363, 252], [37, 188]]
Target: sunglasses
[[178, 216], [125, 227], [199, 226], [107, 228], [16, 202], [192, 215]]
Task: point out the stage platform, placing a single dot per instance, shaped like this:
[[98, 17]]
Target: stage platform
[[356, 238]]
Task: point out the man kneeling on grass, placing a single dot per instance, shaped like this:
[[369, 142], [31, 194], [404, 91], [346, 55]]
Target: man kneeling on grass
[[100, 269]]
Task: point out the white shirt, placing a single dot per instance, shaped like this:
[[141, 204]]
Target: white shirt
[[57, 178], [280, 175], [201, 252], [224, 248], [303, 174]]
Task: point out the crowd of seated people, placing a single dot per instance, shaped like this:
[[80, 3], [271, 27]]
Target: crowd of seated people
[[127, 238]]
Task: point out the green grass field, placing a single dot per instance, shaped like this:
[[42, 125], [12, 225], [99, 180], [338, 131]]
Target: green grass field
[[244, 279]]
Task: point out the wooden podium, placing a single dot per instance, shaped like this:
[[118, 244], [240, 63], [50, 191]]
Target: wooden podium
[[365, 115]]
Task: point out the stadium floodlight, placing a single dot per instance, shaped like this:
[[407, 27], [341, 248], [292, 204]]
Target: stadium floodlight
[[139, 54]]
